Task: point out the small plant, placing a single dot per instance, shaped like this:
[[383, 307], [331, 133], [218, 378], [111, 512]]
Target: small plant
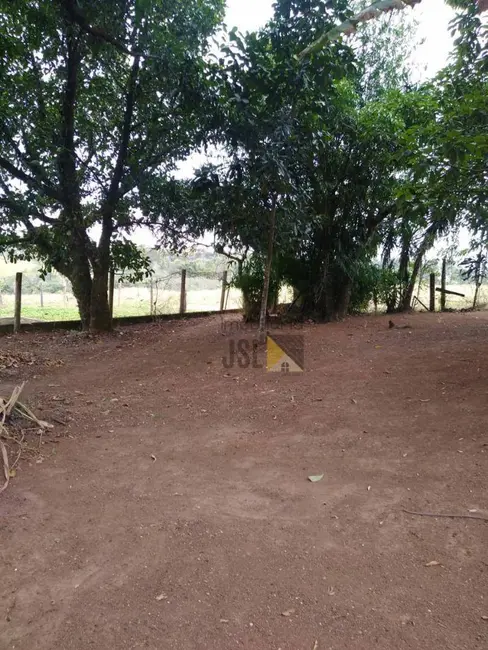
[[377, 285]]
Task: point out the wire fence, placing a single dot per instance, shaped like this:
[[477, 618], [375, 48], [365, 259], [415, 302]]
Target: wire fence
[[178, 292], [459, 294], [186, 291]]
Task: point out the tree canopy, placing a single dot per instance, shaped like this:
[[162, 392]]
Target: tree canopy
[[321, 164], [98, 103]]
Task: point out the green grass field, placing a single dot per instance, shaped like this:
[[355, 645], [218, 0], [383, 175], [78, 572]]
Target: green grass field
[[131, 301]]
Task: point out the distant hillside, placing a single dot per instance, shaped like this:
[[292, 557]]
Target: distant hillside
[[204, 268]]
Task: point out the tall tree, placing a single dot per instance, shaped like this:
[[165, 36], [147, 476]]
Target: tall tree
[[270, 109], [98, 102]]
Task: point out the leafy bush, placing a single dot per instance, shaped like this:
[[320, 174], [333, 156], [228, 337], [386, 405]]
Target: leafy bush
[[372, 283], [250, 281]]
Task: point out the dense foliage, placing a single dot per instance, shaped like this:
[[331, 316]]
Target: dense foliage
[[332, 172], [98, 102]]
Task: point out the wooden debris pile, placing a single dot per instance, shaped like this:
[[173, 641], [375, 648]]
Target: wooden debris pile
[[17, 359], [17, 420]]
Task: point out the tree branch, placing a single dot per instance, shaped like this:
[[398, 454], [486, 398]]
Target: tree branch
[[77, 17], [89, 169], [67, 155], [21, 210], [125, 134], [349, 26], [19, 174]]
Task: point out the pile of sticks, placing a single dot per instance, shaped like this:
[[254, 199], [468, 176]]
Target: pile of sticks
[[16, 419]]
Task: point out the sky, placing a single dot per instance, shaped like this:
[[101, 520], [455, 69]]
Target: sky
[[433, 17]]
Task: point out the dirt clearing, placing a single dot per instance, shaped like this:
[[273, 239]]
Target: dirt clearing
[[173, 510]]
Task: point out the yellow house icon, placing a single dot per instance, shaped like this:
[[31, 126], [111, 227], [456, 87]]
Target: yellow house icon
[[285, 354]]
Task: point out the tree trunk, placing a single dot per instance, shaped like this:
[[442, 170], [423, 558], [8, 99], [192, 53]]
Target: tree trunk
[[443, 285], [407, 296], [427, 242], [267, 272], [100, 317], [322, 303], [476, 292], [343, 298], [81, 284], [403, 271], [77, 271], [100, 320]]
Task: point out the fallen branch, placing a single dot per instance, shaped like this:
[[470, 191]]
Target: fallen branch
[[11, 433], [8, 406], [6, 469], [449, 516]]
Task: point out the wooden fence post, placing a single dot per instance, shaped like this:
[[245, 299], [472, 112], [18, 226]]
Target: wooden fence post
[[111, 289], [224, 289], [18, 302], [151, 298], [432, 292], [443, 285], [183, 292]]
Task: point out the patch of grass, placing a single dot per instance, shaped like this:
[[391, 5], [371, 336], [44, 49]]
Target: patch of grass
[[133, 302]]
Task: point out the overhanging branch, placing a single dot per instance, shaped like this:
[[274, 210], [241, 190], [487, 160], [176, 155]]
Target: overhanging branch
[[77, 16], [349, 26], [19, 174]]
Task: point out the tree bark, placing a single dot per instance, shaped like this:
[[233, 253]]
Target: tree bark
[[407, 296], [75, 266], [443, 284], [267, 271], [81, 284], [321, 299], [343, 298], [476, 292], [100, 320], [403, 278], [100, 317]]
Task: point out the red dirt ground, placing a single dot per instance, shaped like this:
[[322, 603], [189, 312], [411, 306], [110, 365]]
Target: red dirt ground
[[221, 542]]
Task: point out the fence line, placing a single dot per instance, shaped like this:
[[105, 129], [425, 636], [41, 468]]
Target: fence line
[[162, 296]]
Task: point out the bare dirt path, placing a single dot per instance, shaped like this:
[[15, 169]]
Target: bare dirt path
[[221, 542]]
